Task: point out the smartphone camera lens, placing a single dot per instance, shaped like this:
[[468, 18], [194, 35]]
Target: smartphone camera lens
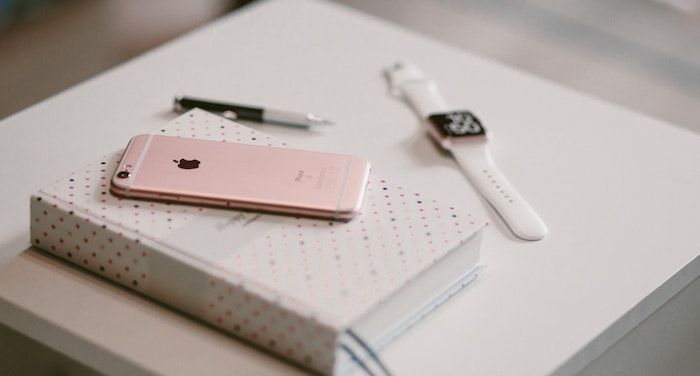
[[123, 174]]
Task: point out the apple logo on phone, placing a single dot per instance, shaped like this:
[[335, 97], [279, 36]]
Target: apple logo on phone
[[187, 164]]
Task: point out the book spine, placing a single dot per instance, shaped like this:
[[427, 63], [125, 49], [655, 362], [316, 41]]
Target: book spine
[[138, 263]]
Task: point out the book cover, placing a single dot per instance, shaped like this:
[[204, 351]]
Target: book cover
[[294, 286]]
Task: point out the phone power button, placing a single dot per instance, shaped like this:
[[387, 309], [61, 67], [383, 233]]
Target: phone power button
[[168, 197]]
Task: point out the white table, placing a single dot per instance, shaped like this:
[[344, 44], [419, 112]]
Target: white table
[[617, 189]]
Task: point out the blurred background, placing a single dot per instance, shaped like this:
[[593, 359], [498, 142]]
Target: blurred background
[[642, 54]]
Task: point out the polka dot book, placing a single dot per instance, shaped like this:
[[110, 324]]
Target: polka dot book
[[327, 295]]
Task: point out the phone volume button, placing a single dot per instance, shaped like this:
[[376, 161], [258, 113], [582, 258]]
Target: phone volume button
[[168, 197]]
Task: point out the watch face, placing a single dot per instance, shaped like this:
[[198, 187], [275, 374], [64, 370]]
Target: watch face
[[457, 124]]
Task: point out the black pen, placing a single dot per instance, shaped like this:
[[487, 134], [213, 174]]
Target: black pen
[[237, 111]]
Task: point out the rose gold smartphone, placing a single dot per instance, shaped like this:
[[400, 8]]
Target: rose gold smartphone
[[242, 176]]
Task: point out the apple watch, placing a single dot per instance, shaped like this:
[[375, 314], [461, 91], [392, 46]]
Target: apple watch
[[462, 133]]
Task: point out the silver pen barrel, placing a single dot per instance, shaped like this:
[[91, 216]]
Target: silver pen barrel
[[293, 118]]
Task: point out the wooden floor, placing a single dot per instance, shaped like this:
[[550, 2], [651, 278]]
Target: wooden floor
[[62, 43]]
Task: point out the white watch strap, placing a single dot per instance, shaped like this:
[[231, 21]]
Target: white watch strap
[[425, 98], [408, 82], [476, 162], [474, 158]]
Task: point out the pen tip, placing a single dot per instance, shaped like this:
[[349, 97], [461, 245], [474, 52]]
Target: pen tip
[[318, 120]]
